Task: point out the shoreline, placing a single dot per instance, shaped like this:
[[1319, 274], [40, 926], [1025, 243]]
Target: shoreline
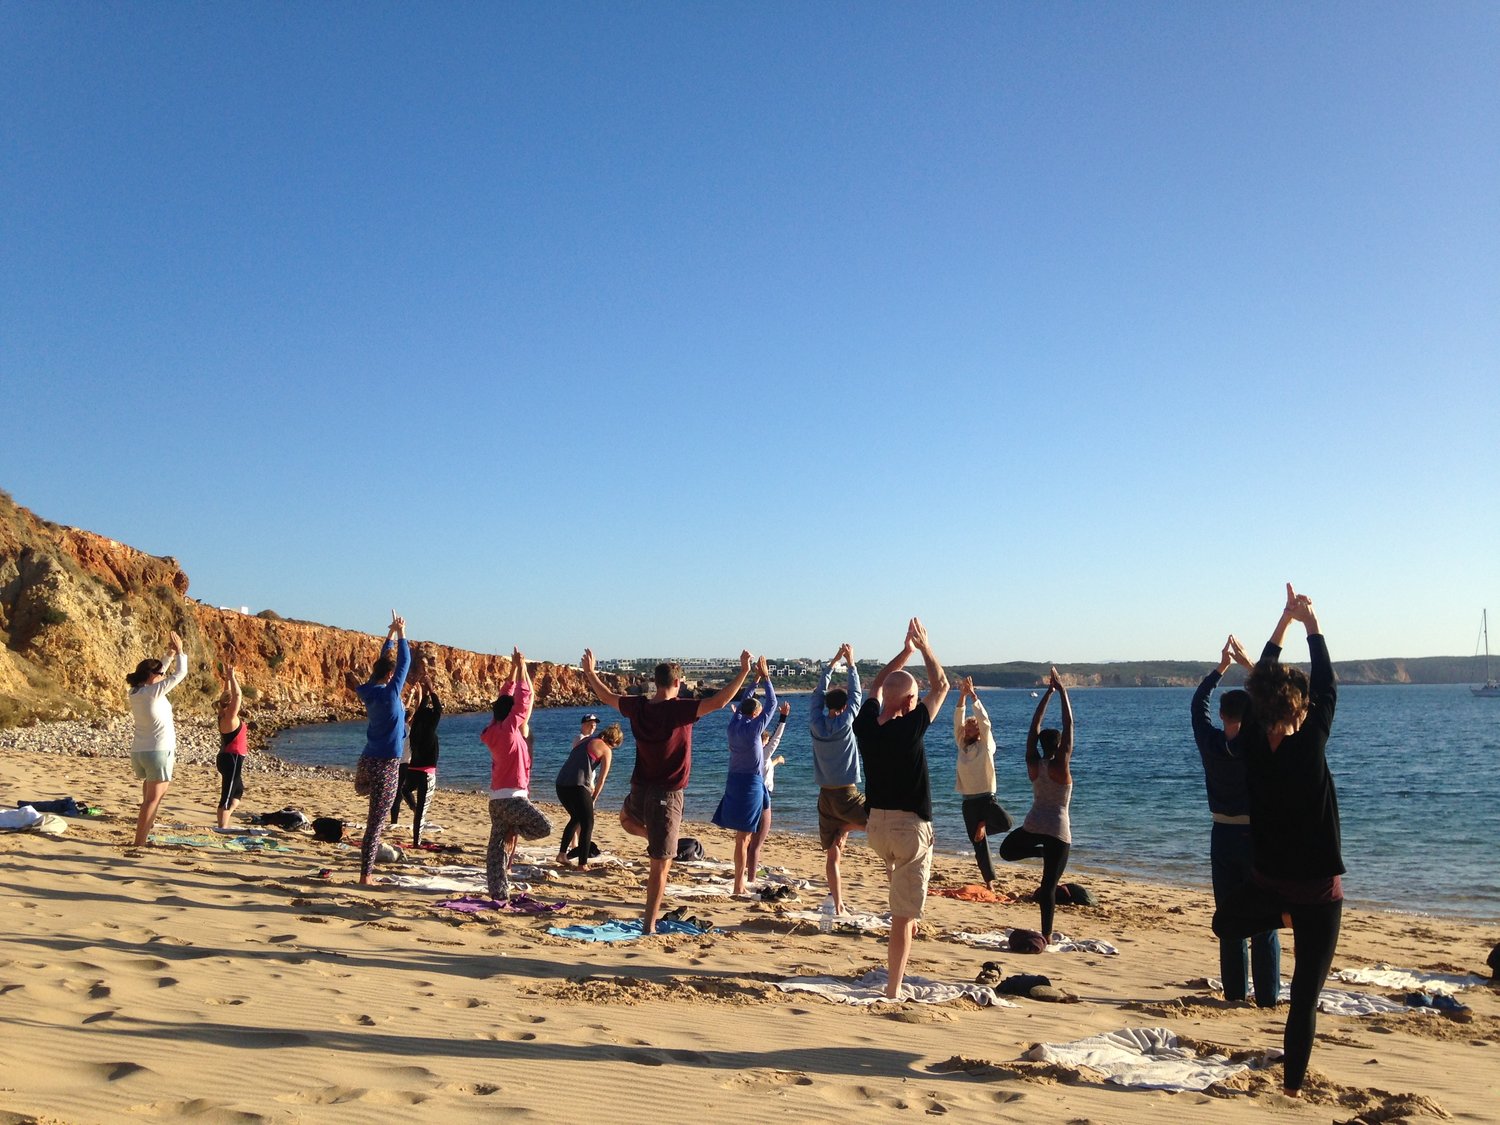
[[182, 963]]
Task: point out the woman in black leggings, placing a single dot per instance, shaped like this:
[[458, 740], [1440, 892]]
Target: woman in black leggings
[[579, 783], [1294, 824], [1047, 830]]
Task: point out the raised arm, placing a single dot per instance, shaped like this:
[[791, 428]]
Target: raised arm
[[986, 731], [403, 653], [856, 693], [1033, 733], [1322, 686], [937, 679], [175, 663], [895, 664], [960, 713], [1066, 749], [777, 729], [596, 685], [523, 691], [1204, 731], [1272, 651], [726, 693]]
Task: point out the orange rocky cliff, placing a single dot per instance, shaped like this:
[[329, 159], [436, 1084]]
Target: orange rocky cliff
[[78, 611]]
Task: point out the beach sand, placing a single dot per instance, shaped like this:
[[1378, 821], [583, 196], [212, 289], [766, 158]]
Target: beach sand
[[194, 982]]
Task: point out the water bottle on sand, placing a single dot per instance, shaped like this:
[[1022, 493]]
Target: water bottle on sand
[[825, 916]]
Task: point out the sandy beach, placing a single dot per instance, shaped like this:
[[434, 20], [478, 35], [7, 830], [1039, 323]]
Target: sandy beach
[[242, 985]]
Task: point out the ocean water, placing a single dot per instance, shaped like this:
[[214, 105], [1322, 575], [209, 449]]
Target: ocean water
[[1417, 770]]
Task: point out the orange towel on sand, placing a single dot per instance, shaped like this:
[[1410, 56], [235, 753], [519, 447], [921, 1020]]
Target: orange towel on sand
[[970, 892]]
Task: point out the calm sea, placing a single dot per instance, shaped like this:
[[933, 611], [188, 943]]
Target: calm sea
[[1417, 770]]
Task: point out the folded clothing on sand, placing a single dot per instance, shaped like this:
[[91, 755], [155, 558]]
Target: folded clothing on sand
[[970, 892], [1147, 1058], [1061, 943], [62, 806], [870, 989]]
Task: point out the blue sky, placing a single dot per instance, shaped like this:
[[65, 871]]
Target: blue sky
[[673, 328]]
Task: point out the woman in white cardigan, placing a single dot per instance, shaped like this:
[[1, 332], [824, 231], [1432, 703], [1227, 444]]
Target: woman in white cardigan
[[983, 816], [153, 750]]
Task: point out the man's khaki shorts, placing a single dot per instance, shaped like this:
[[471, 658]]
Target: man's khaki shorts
[[904, 841]]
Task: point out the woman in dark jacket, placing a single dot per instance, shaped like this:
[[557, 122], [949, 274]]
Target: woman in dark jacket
[[1294, 823]]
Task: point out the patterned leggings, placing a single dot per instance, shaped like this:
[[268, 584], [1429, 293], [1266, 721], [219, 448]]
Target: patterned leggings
[[376, 777], [416, 789], [510, 817]]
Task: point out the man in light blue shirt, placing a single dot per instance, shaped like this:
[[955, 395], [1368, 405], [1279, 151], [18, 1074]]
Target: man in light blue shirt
[[841, 806]]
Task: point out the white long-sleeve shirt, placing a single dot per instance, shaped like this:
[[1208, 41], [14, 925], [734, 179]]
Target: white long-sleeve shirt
[[153, 713], [976, 760]]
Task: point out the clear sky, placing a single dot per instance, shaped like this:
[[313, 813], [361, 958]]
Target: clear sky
[[1076, 329]]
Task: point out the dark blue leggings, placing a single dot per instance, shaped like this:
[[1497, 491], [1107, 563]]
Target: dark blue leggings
[[1022, 844], [1315, 930]]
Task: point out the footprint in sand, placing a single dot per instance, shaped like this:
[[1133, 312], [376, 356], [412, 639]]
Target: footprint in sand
[[477, 1089], [521, 1036], [358, 1021], [766, 1079], [100, 1017], [471, 1002], [117, 1071], [167, 982], [201, 1108], [341, 1095]]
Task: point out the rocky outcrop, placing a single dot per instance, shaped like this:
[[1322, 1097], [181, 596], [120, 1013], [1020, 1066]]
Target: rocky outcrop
[[78, 611]]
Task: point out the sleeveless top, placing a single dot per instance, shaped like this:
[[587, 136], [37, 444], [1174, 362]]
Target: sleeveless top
[[1049, 807], [235, 742], [579, 767]]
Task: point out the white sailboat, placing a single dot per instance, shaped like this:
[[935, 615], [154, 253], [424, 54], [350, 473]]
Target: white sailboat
[[1491, 687]]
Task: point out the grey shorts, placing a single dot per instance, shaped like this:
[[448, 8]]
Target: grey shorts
[[153, 765], [660, 810]]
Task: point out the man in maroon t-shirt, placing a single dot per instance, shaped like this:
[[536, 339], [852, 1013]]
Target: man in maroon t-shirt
[[663, 730]]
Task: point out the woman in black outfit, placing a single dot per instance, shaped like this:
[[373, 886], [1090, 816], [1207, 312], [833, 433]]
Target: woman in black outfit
[[1294, 824], [419, 776], [579, 783]]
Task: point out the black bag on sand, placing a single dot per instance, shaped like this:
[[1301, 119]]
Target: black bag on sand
[[1076, 894], [287, 819], [328, 829], [593, 850], [689, 848]]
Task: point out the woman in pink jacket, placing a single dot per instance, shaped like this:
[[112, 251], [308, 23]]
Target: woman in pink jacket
[[512, 815]]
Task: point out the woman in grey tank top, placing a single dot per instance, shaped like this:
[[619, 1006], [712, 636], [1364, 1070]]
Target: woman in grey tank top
[[1046, 831]]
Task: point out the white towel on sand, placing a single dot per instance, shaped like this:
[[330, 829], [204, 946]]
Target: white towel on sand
[[1143, 1057], [1337, 1002], [861, 923], [1061, 943], [1408, 980], [870, 989]]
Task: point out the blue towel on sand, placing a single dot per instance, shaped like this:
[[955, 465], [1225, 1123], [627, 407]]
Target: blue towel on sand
[[620, 931]]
